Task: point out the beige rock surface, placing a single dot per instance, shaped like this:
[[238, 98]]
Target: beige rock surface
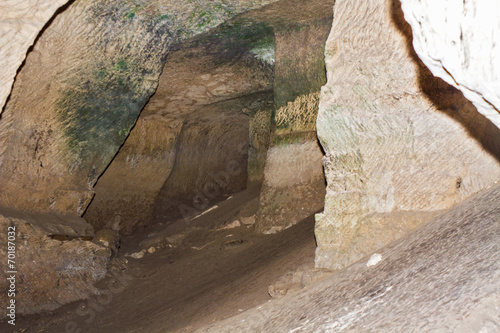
[[101, 62], [294, 185], [20, 23], [396, 138], [206, 166], [205, 85], [458, 41], [190, 97], [73, 104], [55, 260], [443, 277]]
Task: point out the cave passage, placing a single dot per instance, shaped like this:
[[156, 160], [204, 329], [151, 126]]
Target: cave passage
[[168, 165], [234, 108], [208, 206]]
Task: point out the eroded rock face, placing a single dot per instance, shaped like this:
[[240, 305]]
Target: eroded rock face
[[194, 126], [81, 90], [213, 97], [207, 165], [126, 192], [20, 23], [73, 104], [55, 259], [396, 138], [459, 43], [294, 185]]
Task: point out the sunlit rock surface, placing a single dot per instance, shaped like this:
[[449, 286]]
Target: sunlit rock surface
[[459, 42], [20, 23], [398, 141]]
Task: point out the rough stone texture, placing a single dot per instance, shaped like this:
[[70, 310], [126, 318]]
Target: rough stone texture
[[443, 277], [125, 193], [211, 160], [202, 89], [293, 186], [20, 23], [232, 63], [260, 137], [300, 66], [101, 62], [56, 260], [396, 138], [458, 41], [371, 233]]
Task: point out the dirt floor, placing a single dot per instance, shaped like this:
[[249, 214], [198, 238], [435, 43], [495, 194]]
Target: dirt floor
[[198, 274], [442, 277]]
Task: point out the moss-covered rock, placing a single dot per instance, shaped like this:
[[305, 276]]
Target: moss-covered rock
[[83, 86]]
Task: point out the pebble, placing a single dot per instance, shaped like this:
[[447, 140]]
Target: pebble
[[138, 255], [234, 224]]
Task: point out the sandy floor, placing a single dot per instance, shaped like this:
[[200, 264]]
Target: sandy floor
[[442, 277], [204, 277]]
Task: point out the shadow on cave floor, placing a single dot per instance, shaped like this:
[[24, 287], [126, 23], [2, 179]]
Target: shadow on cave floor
[[195, 278]]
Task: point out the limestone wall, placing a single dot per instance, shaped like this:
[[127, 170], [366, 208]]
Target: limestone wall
[[20, 23], [211, 160], [82, 89], [55, 260], [459, 43], [294, 185], [72, 106], [209, 90], [398, 141]]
